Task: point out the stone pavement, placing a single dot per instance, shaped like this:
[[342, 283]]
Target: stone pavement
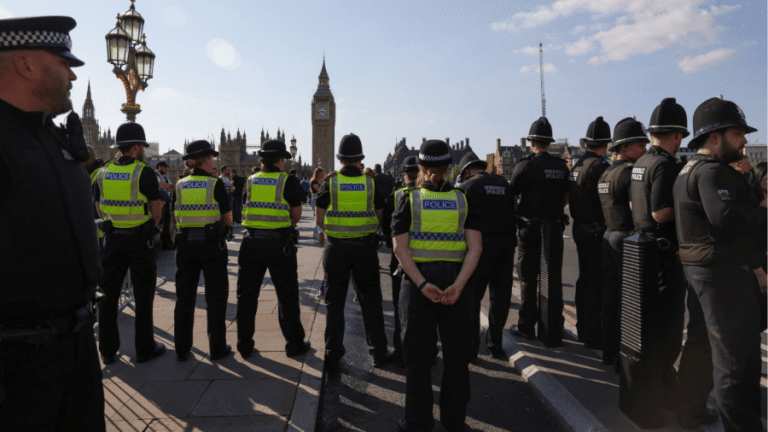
[[267, 392]]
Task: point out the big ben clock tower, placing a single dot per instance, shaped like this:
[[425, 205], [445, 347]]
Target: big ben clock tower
[[323, 124]]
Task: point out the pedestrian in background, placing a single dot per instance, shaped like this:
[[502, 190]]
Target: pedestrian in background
[[166, 190], [438, 243], [238, 183], [202, 216], [314, 187]]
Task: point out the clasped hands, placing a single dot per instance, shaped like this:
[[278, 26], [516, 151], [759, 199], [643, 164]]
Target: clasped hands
[[436, 295]]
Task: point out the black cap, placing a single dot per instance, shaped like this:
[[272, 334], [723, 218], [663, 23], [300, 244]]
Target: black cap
[[411, 164], [598, 133], [198, 149], [129, 134], [435, 153], [471, 159], [716, 114], [350, 149], [50, 33], [161, 163], [274, 149], [669, 117], [541, 130], [627, 131]]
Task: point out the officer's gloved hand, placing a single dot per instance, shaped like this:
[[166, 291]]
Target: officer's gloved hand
[[76, 138]]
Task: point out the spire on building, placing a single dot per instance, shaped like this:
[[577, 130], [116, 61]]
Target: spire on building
[[323, 72]]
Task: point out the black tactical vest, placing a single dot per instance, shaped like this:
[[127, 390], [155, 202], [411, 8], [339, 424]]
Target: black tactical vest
[[618, 216], [493, 197], [583, 199], [545, 181], [49, 255], [700, 242], [640, 193]]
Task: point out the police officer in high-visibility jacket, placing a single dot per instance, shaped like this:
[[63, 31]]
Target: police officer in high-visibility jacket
[[202, 215], [349, 211], [271, 210], [128, 199], [438, 242]]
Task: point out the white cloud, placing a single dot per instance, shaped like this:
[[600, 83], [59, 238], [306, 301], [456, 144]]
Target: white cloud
[[175, 16], [641, 26], [548, 68], [529, 50], [165, 94], [5, 13], [223, 54], [693, 64]]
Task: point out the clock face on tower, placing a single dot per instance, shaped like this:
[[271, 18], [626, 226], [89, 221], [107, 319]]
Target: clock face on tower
[[322, 111]]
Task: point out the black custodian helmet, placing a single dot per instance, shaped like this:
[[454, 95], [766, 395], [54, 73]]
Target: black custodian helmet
[[198, 149], [350, 149], [716, 114], [411, 164], [598, 133], [541, 131], [471, 159], [669, 117], [627, 131]]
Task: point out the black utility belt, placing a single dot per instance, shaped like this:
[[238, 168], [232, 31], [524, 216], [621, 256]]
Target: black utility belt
[[129, 231], [438, 265], [352, 241], [40, 330], [259, 233], [196, 234]]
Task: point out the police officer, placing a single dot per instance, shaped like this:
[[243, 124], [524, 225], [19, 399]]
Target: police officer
[[272, 209], [653, 214], [50, 377], [629, 140], [541, 181], [410, 172], [202, 213], [493, 198], [717, 217], [588, 230], [438, 242], [349, 211], [128, 199]]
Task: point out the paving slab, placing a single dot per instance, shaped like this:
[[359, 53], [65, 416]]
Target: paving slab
[[228, 424], [246, 397]]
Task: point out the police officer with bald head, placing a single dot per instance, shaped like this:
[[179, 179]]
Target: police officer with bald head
[[50, 377], [588, 230], [717, 216]]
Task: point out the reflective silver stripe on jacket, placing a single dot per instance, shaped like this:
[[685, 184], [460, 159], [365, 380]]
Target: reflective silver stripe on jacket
[[264, 218], [438, 254]]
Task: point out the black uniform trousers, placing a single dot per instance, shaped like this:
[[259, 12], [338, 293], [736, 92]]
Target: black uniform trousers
[[494, 271], [192, 257], [121, 252], [421, 320], [728, 296], [165, 234], [397, 340], [613, 252], [588, 237], [53, 386], [358, 258], [528, 269], [257, 255]]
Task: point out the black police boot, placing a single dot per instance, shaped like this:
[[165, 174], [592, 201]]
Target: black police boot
[[704, 415], [157, 352], [380, 361], [524, 334], [295, 351], [227, 351], [108, 359], [497, 352]]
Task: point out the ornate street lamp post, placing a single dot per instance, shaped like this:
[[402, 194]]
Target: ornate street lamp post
[[134, 62]]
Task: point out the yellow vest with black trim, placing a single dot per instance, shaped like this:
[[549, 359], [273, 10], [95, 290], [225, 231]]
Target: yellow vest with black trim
[[265, 205], [195, 204], [437, 225], [351, 213], [121, 201]]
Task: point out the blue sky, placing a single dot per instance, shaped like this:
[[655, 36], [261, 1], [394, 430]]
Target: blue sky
[[416, 69]]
